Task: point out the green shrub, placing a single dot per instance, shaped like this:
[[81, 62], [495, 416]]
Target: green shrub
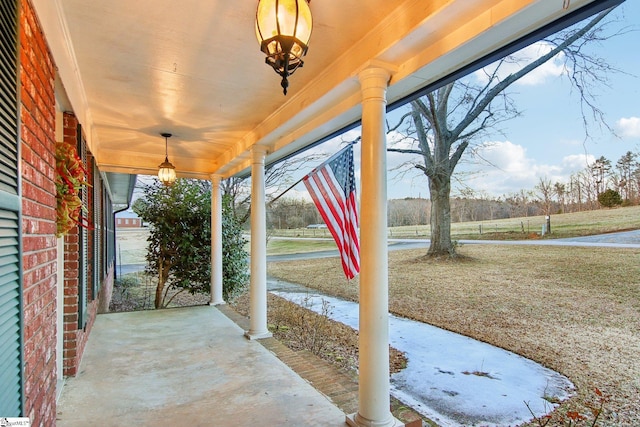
[[124, 284], [235, 273], [610, 198], [179, 250]]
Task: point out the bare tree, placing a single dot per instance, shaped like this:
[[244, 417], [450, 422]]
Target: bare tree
[[600, 170], [575, 193], [635, 179], [589, 186], [625, 166], [277, 178], [545, 191], [445, 122], [560, 191]]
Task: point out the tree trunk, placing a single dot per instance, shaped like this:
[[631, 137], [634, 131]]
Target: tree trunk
[[440, 218], [163, 276]]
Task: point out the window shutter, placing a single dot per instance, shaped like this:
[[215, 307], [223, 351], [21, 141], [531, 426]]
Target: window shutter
[[10, 289], [83, 241], [10, 334], [98, 265], [109, 232]]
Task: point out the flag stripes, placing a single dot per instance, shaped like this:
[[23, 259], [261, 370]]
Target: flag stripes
[[332, 188]]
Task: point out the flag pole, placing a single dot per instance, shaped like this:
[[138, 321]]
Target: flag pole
[[301, 179], [285, 191]]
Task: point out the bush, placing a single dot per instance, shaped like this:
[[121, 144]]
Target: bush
[[125, 283], [312, 330], [610, 198], [131, 292], [179, 250], [235, 274]]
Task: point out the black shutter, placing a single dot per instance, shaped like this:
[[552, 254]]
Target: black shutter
[[98, 272], [83, 242], [10, 289], [109, 233]]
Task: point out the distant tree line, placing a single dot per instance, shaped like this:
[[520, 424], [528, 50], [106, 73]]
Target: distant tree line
[[584, 189], [288, 213], [601, 184]]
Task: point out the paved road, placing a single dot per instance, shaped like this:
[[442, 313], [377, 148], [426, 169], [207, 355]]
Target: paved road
[[129, 268], [625, 239]]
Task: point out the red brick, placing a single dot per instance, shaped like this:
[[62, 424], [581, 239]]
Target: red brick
[[69, 289], [37, 115], [71, 314], [37, 133]]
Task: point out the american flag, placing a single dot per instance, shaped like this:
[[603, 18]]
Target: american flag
[[333, 190]]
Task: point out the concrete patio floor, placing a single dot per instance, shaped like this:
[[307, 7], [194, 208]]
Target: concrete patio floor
[[185, 366]]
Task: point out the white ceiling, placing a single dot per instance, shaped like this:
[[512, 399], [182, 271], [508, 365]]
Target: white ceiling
[[133, 69]]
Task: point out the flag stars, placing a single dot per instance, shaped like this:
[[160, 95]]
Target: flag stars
[[332, 188]]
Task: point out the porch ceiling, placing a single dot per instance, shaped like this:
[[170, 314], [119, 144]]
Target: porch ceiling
[[134, 69]]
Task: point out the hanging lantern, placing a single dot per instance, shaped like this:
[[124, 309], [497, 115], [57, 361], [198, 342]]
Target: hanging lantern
[[283, 28], [166, 171]]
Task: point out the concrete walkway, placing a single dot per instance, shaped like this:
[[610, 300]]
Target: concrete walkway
[[185, 367]]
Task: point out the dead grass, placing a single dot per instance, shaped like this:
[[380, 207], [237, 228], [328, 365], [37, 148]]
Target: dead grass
[[575, 310], [582, 223], [302, 329], [140, 295], [131, 245]]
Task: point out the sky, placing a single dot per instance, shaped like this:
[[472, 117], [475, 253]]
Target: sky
[[548, 140]]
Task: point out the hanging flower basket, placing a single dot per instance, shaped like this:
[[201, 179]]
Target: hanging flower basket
[[70, 178]]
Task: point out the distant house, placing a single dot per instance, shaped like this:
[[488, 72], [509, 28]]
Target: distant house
[[317, 226], [128, 219]]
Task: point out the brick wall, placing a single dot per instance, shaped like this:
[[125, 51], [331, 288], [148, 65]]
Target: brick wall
[[37, 114], [128, 222], [75, 339]]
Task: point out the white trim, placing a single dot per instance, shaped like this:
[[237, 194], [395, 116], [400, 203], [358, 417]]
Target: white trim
[[56, 31]]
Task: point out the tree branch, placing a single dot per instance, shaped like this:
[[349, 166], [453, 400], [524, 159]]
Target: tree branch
[[514, 77], [455, 158], [423, 140], [405, 151], [172, 297]]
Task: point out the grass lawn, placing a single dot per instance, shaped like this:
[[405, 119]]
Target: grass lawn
[[296, 246], [562, 225], [131, 245], [575, 310]]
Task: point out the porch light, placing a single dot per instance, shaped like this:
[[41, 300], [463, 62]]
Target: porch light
[[283, 28], [166, 171]]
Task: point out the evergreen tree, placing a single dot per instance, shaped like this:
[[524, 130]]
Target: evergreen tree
[[179, 250]]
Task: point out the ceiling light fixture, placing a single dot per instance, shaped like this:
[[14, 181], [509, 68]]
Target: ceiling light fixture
[[283, 28], [166, 171]]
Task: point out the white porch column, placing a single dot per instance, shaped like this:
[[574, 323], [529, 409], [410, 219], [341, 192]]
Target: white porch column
[[373, 392], [216, 241], [258, 291]]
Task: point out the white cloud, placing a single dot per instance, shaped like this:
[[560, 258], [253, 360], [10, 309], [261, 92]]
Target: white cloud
[[507, 157], [299, 194], [550, 69], [509, 169], [512, 169], [399, 140], [576, 162], [629, 127]]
